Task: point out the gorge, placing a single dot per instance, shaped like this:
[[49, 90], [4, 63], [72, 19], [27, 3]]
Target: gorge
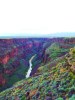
[[36, 69]]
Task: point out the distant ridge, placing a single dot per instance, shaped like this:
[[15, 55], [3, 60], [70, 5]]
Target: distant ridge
[[52, 35], [63, 34]]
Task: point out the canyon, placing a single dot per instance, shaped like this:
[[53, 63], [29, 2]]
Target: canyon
[[24, 58]]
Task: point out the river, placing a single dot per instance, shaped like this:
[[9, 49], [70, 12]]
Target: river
[[30, 67]]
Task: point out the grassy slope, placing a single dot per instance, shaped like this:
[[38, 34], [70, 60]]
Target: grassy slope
[[49, 83]]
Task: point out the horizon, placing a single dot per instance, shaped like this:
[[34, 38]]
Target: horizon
[[52, 35], [36, 17]]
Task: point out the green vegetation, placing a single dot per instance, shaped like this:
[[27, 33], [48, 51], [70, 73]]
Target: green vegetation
[[55, 51], [52, 83]]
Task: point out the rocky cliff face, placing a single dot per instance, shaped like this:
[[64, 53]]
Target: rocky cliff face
[[15, 55], [53, 81], [14, 58]]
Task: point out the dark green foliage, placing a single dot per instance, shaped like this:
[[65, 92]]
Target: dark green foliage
[[73, 97]]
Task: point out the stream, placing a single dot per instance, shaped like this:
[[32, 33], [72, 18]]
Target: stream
[[30, 67]]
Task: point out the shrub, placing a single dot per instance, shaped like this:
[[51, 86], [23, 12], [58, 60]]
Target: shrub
[[73, 97], [59, 98]]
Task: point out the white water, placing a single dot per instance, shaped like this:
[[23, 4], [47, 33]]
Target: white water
[[30, 67]]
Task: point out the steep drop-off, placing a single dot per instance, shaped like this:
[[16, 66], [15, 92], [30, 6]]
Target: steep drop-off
[[52, 62], [55, 82]]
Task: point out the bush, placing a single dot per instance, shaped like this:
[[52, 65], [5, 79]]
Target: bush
[[73, 97], [59, 98]]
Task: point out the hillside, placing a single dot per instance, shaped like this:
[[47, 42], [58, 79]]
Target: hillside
[[53, 80], [52, 68]]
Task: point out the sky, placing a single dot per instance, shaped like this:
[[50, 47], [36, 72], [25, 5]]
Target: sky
[[31, 17]]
